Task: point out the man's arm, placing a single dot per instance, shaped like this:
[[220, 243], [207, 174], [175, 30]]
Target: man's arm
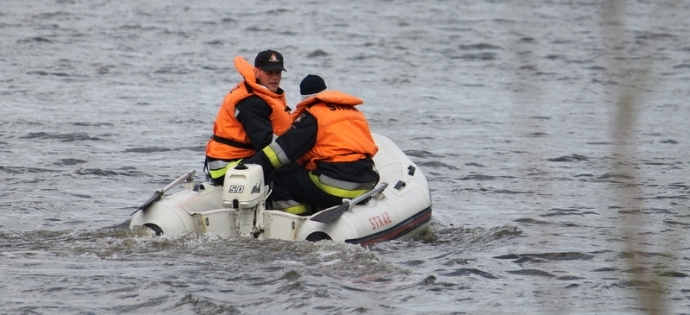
[[255, 116], [289, 147]]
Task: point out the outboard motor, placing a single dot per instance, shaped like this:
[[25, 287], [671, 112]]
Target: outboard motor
[[244, 190]]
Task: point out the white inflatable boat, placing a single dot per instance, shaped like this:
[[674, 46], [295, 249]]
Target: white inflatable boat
[[399, 207]]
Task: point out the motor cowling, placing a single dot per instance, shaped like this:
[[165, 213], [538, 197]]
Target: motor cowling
[[243, 186]]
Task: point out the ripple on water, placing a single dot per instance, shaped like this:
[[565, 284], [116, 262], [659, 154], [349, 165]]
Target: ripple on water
[[468, 272], [65, 137], [564, 256]]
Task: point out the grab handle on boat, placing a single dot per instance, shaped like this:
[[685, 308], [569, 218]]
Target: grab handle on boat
[[333, 213], [160, 192]]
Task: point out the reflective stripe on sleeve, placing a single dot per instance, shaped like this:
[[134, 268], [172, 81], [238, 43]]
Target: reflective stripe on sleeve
[[276, 155]]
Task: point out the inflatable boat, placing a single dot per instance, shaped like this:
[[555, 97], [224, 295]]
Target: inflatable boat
[[398, 208]]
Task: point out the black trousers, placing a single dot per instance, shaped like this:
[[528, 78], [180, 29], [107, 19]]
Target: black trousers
[[292, 182]]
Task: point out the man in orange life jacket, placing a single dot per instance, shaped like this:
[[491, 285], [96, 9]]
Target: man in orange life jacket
[[331, 142], [251, 114]]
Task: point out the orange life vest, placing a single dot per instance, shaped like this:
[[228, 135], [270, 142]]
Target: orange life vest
[[227, 126], [343, 132]]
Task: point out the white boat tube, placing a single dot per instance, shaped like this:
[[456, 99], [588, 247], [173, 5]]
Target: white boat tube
[[401, 210]]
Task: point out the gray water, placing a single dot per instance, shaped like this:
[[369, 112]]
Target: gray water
[[554, 135]]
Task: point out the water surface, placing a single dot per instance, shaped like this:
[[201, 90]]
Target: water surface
[[553, 134]]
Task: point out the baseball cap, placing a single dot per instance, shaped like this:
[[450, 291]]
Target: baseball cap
[[269, 60]]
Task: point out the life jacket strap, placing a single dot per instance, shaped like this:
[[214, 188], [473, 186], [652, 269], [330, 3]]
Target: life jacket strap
[[232, 143]]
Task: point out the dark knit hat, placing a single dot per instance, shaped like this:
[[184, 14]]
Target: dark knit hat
[[311, 84], [269, 60]]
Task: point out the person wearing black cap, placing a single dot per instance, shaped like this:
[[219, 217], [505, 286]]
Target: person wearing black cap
[[331, 142], [251, 114]]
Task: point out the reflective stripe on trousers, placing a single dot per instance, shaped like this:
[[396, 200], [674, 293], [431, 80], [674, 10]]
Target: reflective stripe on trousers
[[218, 168], [291, 206], [340, 188]]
